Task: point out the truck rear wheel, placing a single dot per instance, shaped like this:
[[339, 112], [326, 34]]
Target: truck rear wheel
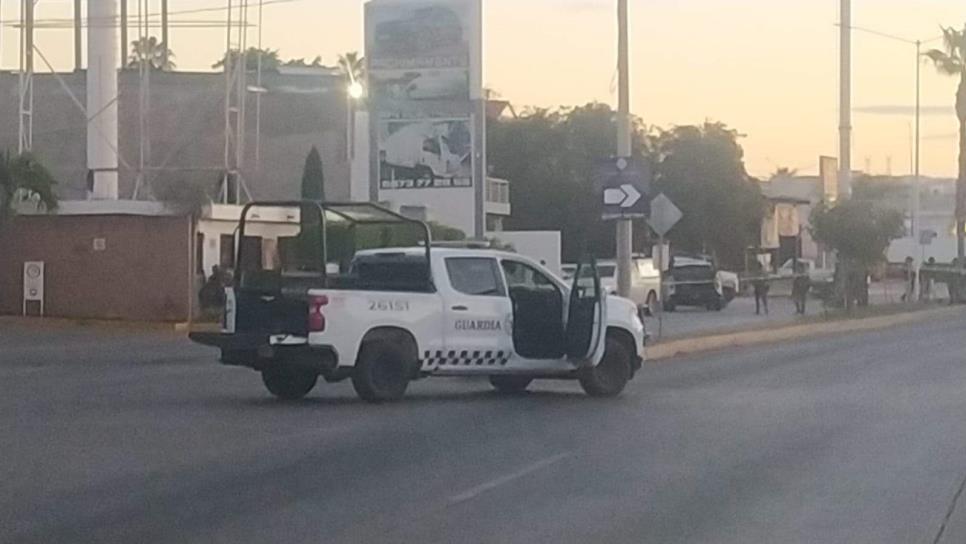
[[609, 378], [382, 373], [289, 383], [510, 385]]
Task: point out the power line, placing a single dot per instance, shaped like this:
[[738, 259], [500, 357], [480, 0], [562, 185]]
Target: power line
[[193, 11]]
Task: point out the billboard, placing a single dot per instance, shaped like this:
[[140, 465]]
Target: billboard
[[424, 72]]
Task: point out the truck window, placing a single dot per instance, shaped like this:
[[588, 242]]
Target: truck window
[[521, 275], [476, 276]]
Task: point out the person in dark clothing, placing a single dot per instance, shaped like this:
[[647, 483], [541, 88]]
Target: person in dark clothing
[[910, 270], [212, 294], [761, 287], [801, 284], [927, 280]]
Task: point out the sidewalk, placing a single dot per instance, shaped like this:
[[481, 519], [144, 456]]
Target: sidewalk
[[740, 315]]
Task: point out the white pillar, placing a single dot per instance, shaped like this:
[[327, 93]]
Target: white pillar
[[845, 100], [102, 66], [625, 227]]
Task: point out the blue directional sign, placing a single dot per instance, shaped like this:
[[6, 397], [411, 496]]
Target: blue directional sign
[[625, 188]]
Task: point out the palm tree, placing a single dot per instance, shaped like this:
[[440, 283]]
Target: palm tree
[[302, 63], [154, 53], [22, 177], [951, 60], [270, 59], [353, 67]]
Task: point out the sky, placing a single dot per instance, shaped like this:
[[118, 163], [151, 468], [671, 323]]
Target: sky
[[767, 68]]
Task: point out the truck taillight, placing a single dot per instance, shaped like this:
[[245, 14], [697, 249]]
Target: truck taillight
[[316, 313]]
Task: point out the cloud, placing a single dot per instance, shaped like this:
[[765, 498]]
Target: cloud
[[904, 110]]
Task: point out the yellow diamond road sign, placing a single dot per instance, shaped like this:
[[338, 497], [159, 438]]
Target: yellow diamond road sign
[[664, 215]]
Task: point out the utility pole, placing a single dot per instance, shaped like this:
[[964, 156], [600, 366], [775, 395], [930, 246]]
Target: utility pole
[[625, 233], [77, 36], [124, 44], [845, 100], [164, 32], [917, 181]]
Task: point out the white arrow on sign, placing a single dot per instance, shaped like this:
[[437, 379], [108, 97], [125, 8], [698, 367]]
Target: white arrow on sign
[[624, 196]]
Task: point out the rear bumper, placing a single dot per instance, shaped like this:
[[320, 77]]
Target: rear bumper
[[256, 350]]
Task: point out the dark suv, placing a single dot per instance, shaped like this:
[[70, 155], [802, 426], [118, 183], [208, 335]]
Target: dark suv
[[692, 281]]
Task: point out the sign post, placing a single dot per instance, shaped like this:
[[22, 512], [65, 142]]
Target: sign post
[[664, 216]]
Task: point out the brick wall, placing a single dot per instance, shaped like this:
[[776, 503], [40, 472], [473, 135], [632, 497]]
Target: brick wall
[[142, 273]]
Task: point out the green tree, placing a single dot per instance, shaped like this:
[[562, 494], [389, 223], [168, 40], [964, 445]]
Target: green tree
[[701, 169], [22, 177], [951, 60], [313, 177], [182, 196], [859, 231], [550, 156], [302, 63], [154, 53], [270, 59]]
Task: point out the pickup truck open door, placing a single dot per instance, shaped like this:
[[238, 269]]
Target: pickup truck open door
[[586, 317]]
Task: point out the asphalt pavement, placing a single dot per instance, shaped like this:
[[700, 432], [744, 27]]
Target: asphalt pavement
[[140, 437]]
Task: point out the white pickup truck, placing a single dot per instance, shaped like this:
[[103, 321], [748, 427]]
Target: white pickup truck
[[401, 314]]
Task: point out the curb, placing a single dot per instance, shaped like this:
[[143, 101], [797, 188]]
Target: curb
[[103, 324], [715, 342]]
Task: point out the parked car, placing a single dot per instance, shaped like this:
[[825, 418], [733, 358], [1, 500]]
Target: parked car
[[645, 281], [820, 279], [730, 284], [693, 282]]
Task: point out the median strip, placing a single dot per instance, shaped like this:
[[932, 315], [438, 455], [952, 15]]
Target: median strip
[[713, 342]]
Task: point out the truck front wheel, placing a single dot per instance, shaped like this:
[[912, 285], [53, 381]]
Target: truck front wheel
[[382, 373], [609, 378], [289, 383]]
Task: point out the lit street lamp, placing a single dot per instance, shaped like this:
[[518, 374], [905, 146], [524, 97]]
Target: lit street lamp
[[356, 90]]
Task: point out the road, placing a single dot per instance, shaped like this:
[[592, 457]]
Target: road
[[140, 437]]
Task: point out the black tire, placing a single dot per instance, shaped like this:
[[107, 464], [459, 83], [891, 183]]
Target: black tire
[[289, 383], [382, 373], [670, 306], [511, 385], [610, 377]]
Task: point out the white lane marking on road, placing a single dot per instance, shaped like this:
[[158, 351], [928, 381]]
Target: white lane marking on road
[[474, 492]]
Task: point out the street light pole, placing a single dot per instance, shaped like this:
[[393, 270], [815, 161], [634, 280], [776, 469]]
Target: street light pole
[[625, 242], [917, 180], [845, 99]]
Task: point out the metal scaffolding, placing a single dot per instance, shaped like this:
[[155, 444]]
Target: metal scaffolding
[[26, 79], [233, 184], [236, 76]]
